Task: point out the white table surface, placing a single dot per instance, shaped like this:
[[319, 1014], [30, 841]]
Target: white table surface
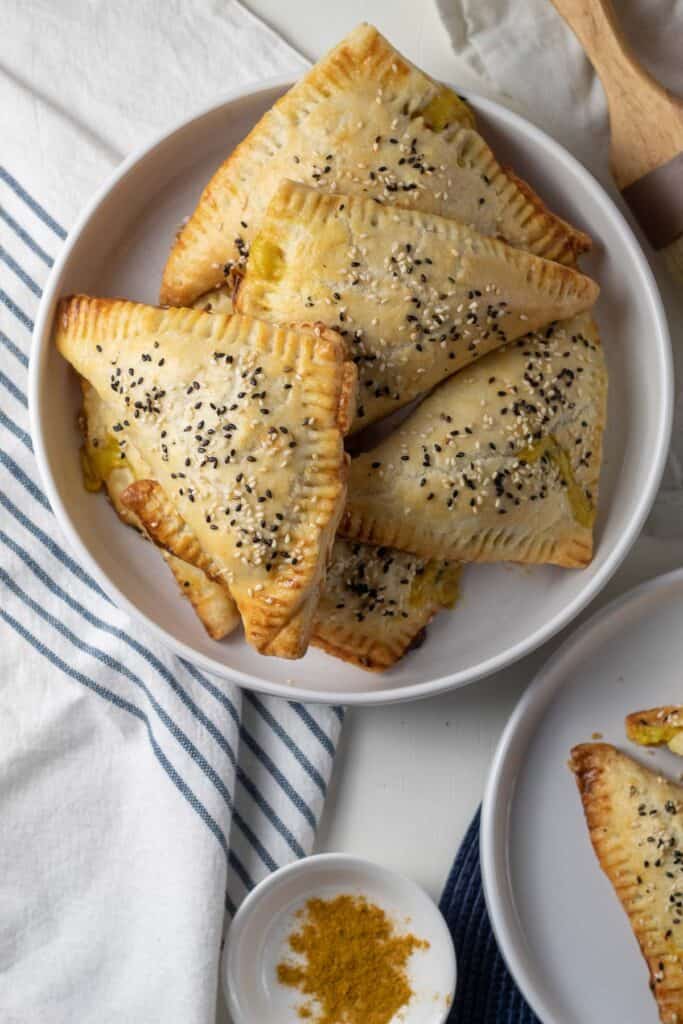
[[409, 777]]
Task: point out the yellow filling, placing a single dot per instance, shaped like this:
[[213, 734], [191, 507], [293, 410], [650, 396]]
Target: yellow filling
[[98, 462], [581, 506], [438, 584], [446, 108], [657, 734], [267, 259]]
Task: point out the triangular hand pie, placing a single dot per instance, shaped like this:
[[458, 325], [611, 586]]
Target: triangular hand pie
[[635, 820], [105, 463], [242, 425], [377, 602], [656, 726], [363, 120], [500, 463], [416, 296]]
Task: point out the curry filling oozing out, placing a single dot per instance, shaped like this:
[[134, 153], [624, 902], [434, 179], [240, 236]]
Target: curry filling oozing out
[[446, 108], [373, 583], [548, 450], [655, 734], [437, 583], [99, 459], [267, 259]]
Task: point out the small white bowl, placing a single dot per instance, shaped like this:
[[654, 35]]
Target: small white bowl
[[257, 940], [119, 246]]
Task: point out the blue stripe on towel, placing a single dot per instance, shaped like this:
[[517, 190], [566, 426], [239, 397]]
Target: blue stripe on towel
[[25, 237], [22, 317], [15, 429], [52, 546], [33, 204], [306, 717], [269, 813], [16, 392], [283, 783], [177, 732], [242, 778], [25, 278], [114, 665], [132, 709], [11, 347], [298, 753]]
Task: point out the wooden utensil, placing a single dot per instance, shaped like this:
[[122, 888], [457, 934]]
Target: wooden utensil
[[646, 127]]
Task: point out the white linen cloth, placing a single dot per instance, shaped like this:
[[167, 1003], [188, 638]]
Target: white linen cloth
[[138, 797], [527, 57]]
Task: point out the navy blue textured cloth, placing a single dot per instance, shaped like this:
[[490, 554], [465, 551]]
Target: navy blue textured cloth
[[486, 992]]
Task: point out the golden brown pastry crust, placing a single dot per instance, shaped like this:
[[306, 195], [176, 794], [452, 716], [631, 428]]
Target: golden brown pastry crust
[[363, 120], [500, 463], [377, 601], [416, 296], [107, 465], [241, 424], [635, 820], [147, 500]]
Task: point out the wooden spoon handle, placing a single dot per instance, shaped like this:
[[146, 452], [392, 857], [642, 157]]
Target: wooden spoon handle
[[646, 121], [595, 24]]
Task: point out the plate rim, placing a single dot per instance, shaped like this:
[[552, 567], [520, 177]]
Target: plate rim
[[40, 347], [494, 814]]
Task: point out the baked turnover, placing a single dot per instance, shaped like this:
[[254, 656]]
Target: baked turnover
[[106, 464], [635, 820], [416, 296], [362, 121], [377, 602], [500, 463], [242, 425]]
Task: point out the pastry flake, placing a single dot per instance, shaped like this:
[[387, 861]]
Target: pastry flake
[[364, 120], [106, 464], [218, 300], [416, 296], [500, 463], [377, 602], [656, 726], [635, 820], [242, 425]]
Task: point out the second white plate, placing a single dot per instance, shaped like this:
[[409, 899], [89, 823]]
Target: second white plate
[[558, 923]]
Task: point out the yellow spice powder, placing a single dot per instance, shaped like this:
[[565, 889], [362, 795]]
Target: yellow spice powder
[[353, 966]]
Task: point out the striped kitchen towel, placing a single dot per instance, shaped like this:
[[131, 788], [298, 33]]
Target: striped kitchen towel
[[139, 797], [486, 992]]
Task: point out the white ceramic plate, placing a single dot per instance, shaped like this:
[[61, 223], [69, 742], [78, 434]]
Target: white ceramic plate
[[257, 940], [118, 247], [558, 922]]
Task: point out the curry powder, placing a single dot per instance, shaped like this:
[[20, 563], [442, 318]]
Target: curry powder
[[352, 964]]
